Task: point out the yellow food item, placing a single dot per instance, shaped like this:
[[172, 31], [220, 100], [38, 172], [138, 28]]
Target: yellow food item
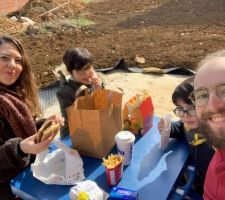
[[112, 161], [83, 196]]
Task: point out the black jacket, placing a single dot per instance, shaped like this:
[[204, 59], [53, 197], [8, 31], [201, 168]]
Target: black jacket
[[200, 155], [12, 159]]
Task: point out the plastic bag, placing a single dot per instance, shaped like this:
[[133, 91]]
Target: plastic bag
[[63, 166]]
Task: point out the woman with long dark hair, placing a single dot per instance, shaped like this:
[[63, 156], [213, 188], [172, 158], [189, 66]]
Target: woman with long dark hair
[[19, 109]]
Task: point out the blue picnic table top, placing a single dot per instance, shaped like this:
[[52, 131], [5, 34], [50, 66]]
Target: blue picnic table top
[[152, 172]]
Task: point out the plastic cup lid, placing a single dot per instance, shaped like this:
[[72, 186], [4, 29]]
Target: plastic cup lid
[[125, 136]]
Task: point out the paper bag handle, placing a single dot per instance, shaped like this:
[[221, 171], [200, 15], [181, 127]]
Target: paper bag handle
[[110, 103], [80, 89]]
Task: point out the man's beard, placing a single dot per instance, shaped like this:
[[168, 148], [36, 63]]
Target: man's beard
[[211, 135]]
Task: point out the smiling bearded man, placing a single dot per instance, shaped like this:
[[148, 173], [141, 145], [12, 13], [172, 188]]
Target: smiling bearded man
[[209, 99]]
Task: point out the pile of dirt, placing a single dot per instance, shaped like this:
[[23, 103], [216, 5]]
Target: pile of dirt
[[8, 26], [166, 33], [45, 10]]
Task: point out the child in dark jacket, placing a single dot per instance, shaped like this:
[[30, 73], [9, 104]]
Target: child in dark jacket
[[81, 73], [187, 128]]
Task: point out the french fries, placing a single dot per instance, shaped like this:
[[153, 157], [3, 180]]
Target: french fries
[[112, 161]]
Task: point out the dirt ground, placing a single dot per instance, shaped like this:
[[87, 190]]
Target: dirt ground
[[165, 32]]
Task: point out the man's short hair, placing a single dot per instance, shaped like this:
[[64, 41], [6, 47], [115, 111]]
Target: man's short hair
[[217, 54]]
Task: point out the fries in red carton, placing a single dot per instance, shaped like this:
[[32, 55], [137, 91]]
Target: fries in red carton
[[114, 169]]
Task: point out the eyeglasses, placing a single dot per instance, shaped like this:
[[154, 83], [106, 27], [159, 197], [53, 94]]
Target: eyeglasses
[[200, 97], [180, 111]]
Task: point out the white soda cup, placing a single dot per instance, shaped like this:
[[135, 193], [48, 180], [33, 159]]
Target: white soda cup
[[165, 135], [125, 142]]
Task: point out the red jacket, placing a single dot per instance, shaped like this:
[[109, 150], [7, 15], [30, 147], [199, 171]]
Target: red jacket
[[214, 187]]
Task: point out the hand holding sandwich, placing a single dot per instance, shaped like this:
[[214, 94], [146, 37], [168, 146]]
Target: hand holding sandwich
[[41, 141]]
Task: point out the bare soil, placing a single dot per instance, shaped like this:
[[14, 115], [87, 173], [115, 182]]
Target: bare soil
[[165, 32]]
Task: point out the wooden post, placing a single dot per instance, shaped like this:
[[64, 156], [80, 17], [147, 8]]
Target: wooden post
[[54, 8]]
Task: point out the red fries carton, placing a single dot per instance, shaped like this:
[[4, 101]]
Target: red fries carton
[[114, 169]]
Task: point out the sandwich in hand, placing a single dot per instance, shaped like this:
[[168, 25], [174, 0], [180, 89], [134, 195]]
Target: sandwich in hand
[[48, 128]]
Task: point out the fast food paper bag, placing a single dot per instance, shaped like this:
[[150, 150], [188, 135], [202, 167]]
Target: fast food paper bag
[[94, 121]]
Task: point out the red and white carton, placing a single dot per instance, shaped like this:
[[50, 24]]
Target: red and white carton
[[114, 174]]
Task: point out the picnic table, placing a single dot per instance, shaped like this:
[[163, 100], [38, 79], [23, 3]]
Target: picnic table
[[152, 172]]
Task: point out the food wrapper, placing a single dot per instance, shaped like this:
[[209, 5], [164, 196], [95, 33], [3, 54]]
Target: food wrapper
[[123, 193], [87, 190], [138, 114], [114, 169]]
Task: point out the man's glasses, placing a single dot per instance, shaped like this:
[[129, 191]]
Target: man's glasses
[[200, 97], [180, 111]]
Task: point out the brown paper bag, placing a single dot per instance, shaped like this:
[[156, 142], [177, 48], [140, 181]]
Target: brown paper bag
[[94, 121]]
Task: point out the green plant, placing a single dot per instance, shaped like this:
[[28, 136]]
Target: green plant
[[83, 22], [79, 22]]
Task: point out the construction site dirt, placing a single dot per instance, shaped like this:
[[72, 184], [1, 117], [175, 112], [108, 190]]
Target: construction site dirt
[[165, 33]]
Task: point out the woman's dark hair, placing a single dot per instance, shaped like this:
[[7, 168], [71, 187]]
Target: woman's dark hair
[[183, 91], [25, 84], [76, 59]]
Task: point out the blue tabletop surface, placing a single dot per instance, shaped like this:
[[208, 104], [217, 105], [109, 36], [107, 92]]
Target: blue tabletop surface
[[152, 172]]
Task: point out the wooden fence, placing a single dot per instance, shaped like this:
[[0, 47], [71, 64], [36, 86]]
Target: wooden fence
[[7, 6]]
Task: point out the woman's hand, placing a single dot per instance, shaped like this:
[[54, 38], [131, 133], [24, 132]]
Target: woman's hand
[[29, 145]]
